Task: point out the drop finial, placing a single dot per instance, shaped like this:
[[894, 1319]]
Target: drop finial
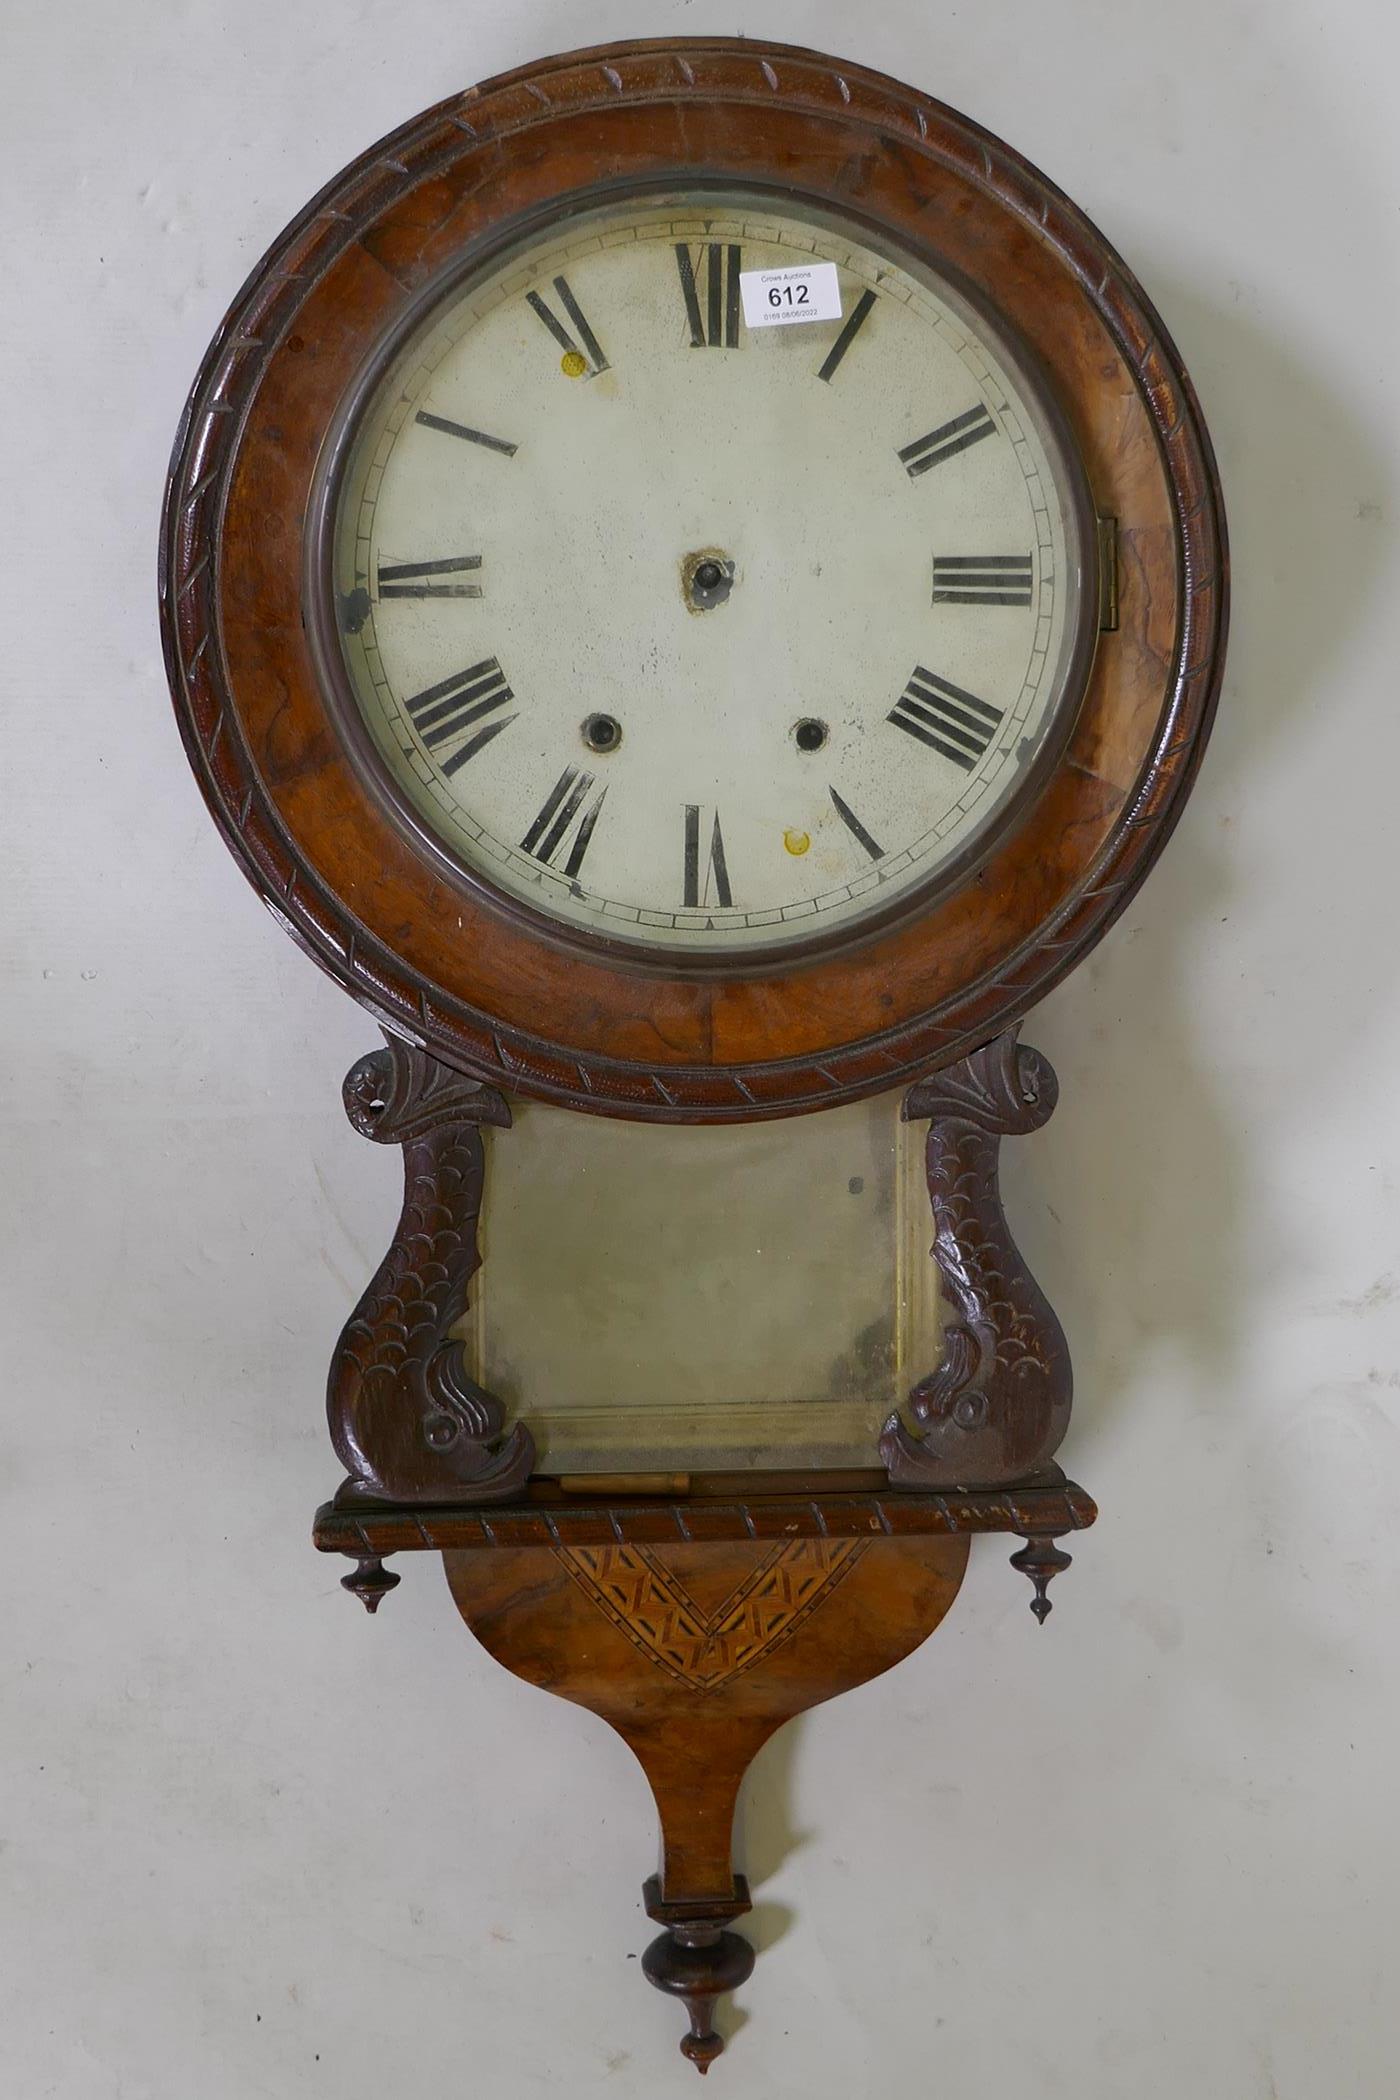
[[371, 1583], [697, 1964], [1042, 1560]]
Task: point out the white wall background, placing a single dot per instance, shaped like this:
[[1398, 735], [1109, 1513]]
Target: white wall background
[[257, 1844]]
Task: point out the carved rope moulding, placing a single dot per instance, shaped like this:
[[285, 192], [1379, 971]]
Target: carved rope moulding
[[482, 123], [1053, 1508]]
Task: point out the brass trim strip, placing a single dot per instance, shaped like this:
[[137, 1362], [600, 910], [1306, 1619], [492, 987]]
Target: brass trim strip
[[1108, 574]]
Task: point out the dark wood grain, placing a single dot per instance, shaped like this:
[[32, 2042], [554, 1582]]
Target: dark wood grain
[[434, 958], [1047, 1504], [1040, 1509], [696, 1625], [696, 1654], [998, 1404], [1041, 1560], [406, 1419]]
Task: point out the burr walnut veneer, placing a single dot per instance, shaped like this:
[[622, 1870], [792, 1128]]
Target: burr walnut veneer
[[699, 1611]]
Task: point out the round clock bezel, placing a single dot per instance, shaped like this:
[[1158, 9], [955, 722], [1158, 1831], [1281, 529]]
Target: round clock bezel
[[717, 959], [503, 1000]]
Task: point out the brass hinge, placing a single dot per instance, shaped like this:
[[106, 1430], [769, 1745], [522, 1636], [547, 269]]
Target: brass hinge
[[624, 1483], [1108, 574]]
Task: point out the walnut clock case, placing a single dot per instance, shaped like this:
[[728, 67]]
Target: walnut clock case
[[693, 584]]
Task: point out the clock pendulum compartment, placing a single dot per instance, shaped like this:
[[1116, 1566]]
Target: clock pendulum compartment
[[697, 1608]]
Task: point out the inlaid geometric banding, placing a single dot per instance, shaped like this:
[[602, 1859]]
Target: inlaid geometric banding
[[647, 1601]]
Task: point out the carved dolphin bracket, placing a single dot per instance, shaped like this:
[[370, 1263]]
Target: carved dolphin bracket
[[408, 1422], [997, 1406]]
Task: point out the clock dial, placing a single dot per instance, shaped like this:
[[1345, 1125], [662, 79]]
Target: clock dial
[[712, 654]]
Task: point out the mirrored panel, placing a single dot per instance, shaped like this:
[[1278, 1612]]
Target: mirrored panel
[[666, 1299]]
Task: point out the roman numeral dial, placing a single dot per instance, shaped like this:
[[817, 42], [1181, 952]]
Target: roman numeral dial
[[590, 359], [429, 579], [981, 579], [465, 431], [855, 321], [444, 712], [714, 324], [937, 446], [562, 817], [858, 831], [949, 720], [706, 871], [646, 640]]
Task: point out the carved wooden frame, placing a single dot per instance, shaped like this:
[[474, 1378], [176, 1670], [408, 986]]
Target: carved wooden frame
[[473, 999], [499, 1000], [406, 1418], [410, 1424], [997, 1405], [1039, 1510]]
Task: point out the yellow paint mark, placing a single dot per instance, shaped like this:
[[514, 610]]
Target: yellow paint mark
[[796, 841], [573, 364]]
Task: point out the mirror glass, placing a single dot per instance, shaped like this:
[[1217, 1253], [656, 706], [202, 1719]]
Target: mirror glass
[[660, 1298]]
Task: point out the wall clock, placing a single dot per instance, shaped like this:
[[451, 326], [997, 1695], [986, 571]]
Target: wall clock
[[693, 585]]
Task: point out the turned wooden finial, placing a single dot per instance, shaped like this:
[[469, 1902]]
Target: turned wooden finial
[[371, 1582], [698, 1963], [1041, 1559]]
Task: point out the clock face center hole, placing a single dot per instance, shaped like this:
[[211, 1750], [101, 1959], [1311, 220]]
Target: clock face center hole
[[707, 577], [602, 732], [809, 734]]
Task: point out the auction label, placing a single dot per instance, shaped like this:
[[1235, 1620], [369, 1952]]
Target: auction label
[[778, 298]]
